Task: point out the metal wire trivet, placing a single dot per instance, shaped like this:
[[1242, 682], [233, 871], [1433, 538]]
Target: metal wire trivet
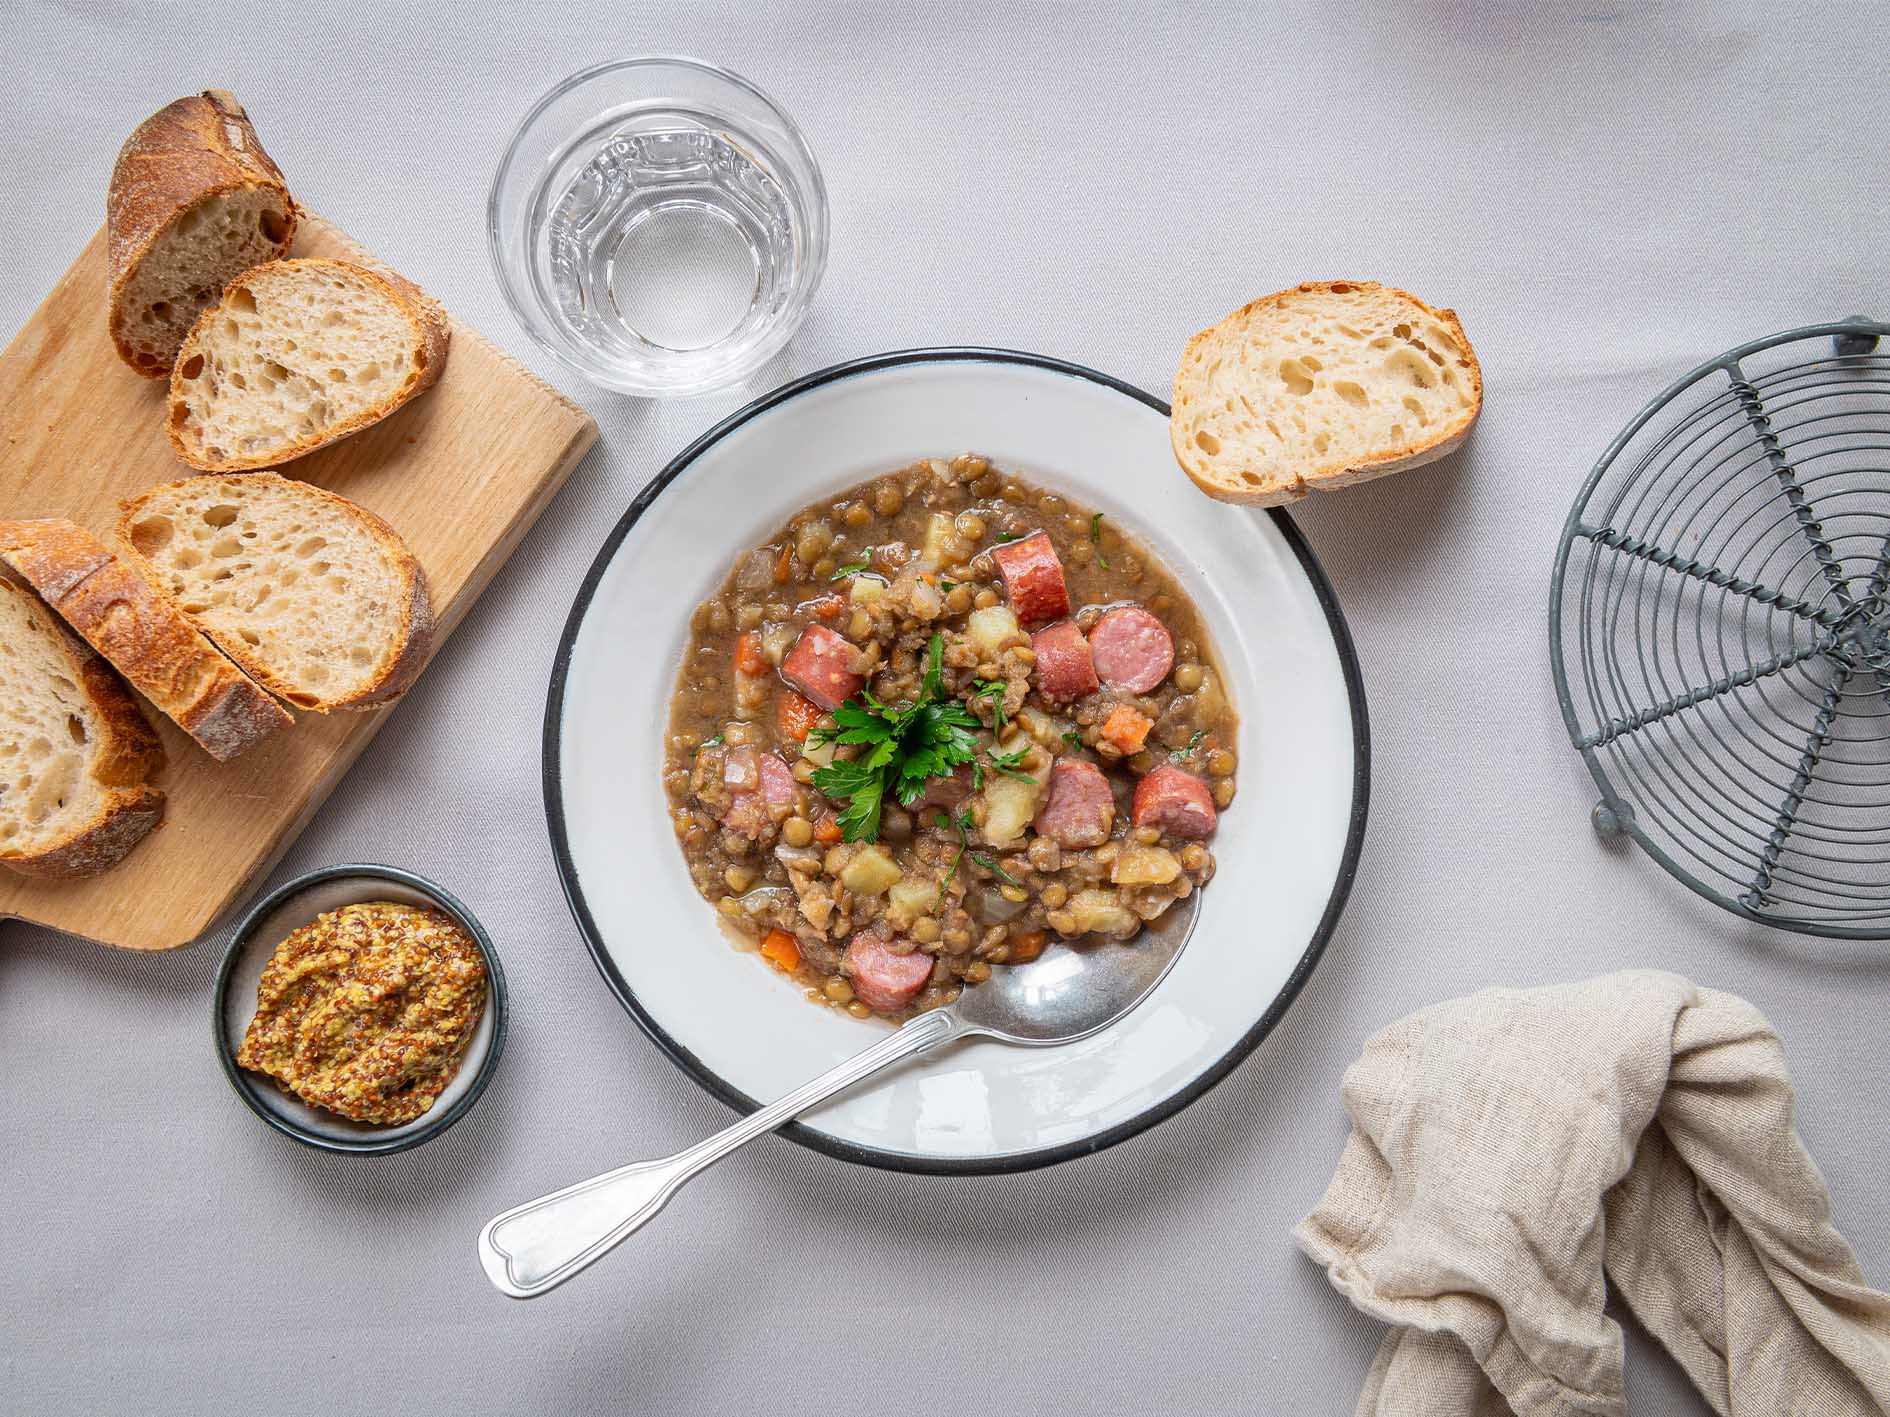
[[1719, 630]]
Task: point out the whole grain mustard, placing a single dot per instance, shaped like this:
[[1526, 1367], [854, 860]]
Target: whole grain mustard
[[366, 1010]]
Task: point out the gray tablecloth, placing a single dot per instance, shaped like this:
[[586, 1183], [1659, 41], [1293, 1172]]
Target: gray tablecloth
[[1607, 192]]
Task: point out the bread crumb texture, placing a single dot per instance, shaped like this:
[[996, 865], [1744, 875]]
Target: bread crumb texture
[[67, 773], [205, 246], [296, 352], [293, 583], [1328, 383]]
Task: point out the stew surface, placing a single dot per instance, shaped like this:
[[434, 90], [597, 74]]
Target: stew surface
[[936, 720]]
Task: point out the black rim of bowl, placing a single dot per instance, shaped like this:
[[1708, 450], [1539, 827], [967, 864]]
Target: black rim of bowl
[[708, 1079], [247, 1085]]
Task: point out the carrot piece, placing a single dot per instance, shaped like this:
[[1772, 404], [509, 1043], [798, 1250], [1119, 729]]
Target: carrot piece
[[826, 830], [782, 951], [750, 658], [795, 714], [1126, 729], [828, 607], [1026, 946], [783, 565]]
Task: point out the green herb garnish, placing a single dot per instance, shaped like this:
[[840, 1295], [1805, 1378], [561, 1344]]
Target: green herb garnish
[[986, 689], [945, 823], [1193, 743], [1007, 763], [865, 563], [710, 742], [994, 868], [1095, 537], [904, 749], [1073, 738], [1004, 536], [946, 583]]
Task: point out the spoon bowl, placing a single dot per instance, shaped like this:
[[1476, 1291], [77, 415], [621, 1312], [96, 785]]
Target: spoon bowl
[[1067, 993]]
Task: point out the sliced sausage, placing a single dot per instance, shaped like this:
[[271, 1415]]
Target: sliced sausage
[[1033, 578], [1064, 671], [1132, 649], [777, 782], [883, 979], [764, 791], [821, 666], [1080, 808], [1173, 801]]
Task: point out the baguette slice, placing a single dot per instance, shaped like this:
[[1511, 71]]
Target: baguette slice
[[129, 621], [75, 750], [1330, 383], [296, 355], [317, 598], [194, 202]]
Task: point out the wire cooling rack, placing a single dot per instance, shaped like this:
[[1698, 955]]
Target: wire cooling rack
[[1719, 630]]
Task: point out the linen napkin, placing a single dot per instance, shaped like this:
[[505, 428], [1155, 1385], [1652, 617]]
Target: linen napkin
[[1515, 1152]]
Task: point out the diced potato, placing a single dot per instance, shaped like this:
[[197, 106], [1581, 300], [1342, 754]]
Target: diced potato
[[1040, 725], [819, 754], [939, 532], [1009, 804], [915, 898], [1144, 866], [1102, 913], [777, 640], [837, 857], [867, 589], [991, 629], [870, 872]]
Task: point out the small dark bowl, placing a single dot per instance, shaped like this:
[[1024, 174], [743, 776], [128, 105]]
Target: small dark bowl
[[234, 1001]]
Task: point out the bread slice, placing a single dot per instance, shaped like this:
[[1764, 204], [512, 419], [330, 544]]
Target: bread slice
[[75, 750], [317, 598], [126, 619], [1330, 383], [194, 202], [296, 355]]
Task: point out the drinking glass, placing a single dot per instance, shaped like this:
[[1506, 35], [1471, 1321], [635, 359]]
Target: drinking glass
[[659, 225]]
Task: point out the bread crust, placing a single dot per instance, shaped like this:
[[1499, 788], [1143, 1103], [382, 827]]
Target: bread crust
[[398, 668], [126, 754], [126, 618], [432, 335], [1319, 477], [189, 151]]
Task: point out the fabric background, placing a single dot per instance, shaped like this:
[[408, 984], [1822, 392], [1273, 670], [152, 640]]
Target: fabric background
[[1607, 192]]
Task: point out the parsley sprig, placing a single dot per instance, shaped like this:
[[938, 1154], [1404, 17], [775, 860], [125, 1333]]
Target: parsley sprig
[[905, 748], [1182, 754], [1095, 538], [962, 822], [1007, 763], [865, 563], [994, 690]]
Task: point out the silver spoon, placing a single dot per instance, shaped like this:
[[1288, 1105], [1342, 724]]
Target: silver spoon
[[1061, 996]]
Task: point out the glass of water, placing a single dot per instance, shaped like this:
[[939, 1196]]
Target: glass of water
[[659, 225]]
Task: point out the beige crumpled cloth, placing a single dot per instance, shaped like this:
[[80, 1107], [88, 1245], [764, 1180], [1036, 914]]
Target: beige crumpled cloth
[[1511, 1149]]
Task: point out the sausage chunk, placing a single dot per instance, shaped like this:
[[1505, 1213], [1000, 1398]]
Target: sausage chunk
[[1033, 578], [1132, 650], [1173, 801], [1080, 809], [764, 791], [821, 666], [1064, 671], [882, 979]]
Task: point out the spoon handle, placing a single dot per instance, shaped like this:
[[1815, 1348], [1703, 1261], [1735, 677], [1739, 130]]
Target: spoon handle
[[535, 1247]]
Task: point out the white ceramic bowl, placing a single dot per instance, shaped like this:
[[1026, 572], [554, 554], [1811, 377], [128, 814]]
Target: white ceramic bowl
[[1287, 847]]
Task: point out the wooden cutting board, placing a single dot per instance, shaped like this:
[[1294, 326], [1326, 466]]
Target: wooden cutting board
[[461, 473]]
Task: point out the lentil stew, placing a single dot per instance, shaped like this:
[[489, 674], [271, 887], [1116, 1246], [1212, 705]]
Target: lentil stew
[[936, 720]]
